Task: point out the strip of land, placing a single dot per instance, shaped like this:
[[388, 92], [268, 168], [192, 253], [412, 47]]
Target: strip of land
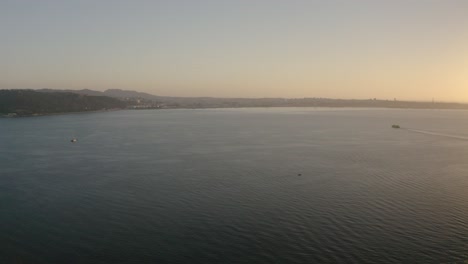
[[29, 102]]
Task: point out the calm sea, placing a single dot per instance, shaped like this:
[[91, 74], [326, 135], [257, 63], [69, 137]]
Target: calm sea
[[279, 185]]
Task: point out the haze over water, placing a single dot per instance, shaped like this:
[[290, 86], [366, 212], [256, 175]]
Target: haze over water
[[223, 186]]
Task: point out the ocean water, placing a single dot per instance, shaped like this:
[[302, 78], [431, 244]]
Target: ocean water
[[278, 185]]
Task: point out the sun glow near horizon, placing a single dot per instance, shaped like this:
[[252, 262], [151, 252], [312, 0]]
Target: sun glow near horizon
[[359, 49]]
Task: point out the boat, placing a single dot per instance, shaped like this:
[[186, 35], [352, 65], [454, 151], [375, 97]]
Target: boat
[[73, 140], [395, 126]]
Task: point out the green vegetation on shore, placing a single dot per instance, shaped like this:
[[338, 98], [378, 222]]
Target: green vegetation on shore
[[48, 101], [30, 102]]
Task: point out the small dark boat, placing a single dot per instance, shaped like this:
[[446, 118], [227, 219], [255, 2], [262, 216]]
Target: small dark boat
[[395, 126], [73, 140]]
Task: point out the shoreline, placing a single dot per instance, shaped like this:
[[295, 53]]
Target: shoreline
[[60, 113], [243, 107]]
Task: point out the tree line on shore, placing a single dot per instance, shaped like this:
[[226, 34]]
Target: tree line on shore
[[47, 101], [30, 102]]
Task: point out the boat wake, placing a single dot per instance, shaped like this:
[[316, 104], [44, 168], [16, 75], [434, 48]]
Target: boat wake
[[437, 134]]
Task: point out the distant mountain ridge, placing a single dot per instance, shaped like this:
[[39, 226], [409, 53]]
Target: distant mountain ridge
[[129, 94], [141, 100], [116, 93]]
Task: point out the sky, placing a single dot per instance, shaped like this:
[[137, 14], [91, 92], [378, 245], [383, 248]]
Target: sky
[[403, 49]]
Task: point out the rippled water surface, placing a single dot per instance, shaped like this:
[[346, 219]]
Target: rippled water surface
[[223, 186]]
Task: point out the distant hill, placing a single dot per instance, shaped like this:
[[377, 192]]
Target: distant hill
[[139, 100], [129, 94], [83, 92], [117, 93], [30, 102]]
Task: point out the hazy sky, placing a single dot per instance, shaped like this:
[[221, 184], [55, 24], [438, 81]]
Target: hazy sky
[[404, 49]]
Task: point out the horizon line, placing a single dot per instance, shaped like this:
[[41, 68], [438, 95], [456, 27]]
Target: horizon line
[[433, 100]]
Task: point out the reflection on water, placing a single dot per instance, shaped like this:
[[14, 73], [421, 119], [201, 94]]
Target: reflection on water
[[223, 186]]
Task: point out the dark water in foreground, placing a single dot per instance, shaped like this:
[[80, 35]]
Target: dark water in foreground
[[222, 186]]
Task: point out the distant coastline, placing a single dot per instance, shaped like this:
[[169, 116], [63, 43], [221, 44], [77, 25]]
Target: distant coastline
[[60, 113], [22, 103]]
